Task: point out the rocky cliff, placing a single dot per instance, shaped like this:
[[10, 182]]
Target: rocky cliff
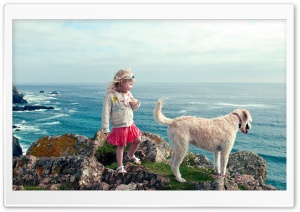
[[17, 150], [17, 97], [74, 162]]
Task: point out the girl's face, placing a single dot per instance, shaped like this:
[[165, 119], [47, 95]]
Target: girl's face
[[127, 85]]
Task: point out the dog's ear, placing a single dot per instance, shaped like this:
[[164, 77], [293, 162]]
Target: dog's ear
[[247, 115]]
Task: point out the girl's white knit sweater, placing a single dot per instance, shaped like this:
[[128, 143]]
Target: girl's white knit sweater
[[117, 110]]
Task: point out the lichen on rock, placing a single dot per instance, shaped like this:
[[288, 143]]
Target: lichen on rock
[[71, 162]]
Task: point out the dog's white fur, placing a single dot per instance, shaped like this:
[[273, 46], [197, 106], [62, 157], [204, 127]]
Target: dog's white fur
[[215, 135]]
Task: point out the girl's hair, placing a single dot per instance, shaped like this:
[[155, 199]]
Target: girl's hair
[[120, 76]]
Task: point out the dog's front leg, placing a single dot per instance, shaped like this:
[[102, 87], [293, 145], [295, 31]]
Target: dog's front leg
[[224, 161], [217, 162]]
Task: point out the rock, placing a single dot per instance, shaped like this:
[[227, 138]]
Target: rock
[[230, 185], [203, 162], [242, 182], [15, 161], [269, 187], [65, 145], [99, 139], [31, 107], [245, 171], [208, 186], [58, 173], [17, 150], [18, 108], [103, 186], [17, 97], [131, 186], [16, 128], [220, 183], [68, 162], [154, 147], [17, 187], [24, 172], [216, 185], [248, 182], [247, 163], [137, 176]]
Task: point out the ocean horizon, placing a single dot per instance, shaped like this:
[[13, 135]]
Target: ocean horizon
[[78, 110]]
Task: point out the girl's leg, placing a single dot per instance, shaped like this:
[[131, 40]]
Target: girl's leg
[[134, 145], [119, 153]]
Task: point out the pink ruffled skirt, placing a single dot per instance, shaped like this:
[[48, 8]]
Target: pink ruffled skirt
[[120, 136]]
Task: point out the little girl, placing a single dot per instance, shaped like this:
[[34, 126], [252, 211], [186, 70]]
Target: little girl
[[118, 107]]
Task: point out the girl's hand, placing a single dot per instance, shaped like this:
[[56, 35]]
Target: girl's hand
[[133, 102], [106, 134]]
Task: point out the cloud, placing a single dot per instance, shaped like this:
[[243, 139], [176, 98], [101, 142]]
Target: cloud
[[94, 48]]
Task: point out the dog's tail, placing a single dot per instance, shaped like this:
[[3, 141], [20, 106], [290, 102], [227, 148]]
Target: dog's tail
[[159, 117]]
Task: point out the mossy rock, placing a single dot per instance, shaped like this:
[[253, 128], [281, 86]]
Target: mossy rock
[[65, 145]]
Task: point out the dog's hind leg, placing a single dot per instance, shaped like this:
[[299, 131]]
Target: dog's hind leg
[[175, 169], [179, 152], [217, 162]]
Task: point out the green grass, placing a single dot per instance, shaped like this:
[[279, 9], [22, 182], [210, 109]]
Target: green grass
[[112, 166], [107, 148], [191, 174], [242, 187]]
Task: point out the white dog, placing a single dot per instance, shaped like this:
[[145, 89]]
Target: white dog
[[215, 135]]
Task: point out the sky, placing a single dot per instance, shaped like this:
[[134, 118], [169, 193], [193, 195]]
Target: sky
[[91, 51]]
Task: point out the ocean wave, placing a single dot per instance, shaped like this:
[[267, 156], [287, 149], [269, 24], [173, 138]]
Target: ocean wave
[[72, 111], [31, 111], [17, 136], [144, 103], [273, 158], [182, 111], [33, 98], [52, 123], [271, 124], [30, 128], [53, 117], [198, 103], [24, 148], [40, 110], [242, 105]]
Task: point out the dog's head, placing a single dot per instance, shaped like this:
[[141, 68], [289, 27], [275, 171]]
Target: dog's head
[[245, 119]]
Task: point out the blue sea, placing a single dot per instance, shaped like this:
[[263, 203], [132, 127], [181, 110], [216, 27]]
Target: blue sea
[[78, 110]]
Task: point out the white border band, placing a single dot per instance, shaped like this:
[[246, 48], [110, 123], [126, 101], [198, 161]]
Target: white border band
[[148, 198]]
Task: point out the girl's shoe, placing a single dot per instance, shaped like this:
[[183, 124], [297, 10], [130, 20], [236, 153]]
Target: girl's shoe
[[134, 159], [121, 170]]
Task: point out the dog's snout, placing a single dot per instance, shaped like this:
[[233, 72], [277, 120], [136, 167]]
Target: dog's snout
[[247, 127]]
